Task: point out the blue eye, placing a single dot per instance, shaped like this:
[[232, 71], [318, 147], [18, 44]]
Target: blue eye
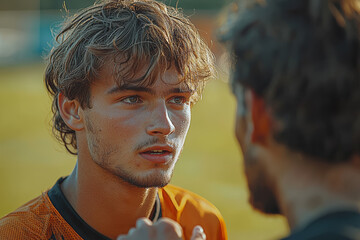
[[132, 100], [178, 100]]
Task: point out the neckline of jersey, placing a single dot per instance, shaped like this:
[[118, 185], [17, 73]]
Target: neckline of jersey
[[69, 214]]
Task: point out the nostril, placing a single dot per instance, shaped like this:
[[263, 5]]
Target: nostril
[[161, 130], [161, 123]]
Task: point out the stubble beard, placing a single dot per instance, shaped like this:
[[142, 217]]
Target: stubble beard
[[159, 179], [154, 178], [262, 196], [102, 154]]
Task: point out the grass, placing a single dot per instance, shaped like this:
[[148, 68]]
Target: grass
[[31, 160]]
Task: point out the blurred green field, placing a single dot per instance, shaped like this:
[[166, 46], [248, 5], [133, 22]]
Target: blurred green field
[[31, 160]]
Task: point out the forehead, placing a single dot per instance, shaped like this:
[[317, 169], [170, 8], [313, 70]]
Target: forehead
[[111, 76]]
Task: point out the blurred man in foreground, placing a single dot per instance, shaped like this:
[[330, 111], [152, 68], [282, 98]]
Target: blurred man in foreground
[[123, 78], [296, 78]]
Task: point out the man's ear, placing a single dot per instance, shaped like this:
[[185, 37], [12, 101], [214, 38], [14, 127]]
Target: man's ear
[[70, 112], [260, 118]]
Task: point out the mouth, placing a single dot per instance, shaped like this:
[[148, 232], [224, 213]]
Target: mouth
[[158, 154]]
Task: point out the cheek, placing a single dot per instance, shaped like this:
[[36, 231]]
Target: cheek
[[123, 118], [181, 121], [110, 126]]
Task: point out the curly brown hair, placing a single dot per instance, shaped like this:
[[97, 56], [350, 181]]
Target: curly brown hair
[[303, 58], [125, 33]]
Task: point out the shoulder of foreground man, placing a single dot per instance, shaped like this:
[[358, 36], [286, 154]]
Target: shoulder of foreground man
[[190, 210]]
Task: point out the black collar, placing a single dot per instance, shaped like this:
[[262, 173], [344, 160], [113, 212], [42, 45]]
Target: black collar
[[63, 206]]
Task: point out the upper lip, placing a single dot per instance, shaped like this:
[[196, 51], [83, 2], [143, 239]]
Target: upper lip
[[158, 147]]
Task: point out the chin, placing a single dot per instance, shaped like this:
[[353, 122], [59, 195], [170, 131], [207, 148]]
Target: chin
[[154, 178], [149, 182], [266, 204], [261, 192], [262, 195]]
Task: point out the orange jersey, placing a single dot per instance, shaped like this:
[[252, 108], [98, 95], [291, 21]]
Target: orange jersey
[[51, 217]]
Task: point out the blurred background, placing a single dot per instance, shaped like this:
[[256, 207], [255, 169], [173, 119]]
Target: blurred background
[[31, 160]]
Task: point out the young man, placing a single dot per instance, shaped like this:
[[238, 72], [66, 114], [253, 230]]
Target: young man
[[296, 78], [123, 78]]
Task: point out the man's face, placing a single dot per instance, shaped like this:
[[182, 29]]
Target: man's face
[[137, 133], [262, 195]]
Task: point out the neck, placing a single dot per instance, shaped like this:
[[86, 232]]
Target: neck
[[115, 205], [308, 189]]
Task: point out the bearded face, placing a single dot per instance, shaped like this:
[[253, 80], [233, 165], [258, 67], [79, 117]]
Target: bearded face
[[137, 133], [261, 189]]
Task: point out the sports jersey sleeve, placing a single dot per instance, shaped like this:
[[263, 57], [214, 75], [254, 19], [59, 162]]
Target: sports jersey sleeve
[[24, 223], [189, 210], [36, 220]]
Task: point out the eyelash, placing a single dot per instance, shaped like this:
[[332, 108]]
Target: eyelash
[[138, 98], [183, 99]]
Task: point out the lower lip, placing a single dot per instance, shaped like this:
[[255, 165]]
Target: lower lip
[[157, 158]]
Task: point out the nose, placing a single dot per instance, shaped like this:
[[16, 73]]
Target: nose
[[160, 121]]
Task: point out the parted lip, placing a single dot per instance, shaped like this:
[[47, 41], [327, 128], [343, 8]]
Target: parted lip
[[167, 148]]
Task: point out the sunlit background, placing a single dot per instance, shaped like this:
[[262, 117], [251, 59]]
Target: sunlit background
[[31, 160]]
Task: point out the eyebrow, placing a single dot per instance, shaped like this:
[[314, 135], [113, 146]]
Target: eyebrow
[[117, 89], [123, 88]]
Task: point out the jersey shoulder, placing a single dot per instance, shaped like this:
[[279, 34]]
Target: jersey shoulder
[[182, 199], [36, 219], [26, 222], [190, 209], [340, 225]]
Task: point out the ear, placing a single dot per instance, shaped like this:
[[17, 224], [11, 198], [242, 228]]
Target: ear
[[70, 112], [260, 118]]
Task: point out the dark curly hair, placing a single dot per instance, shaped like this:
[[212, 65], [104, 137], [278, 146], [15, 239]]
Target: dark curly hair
[[131, 35], [303, 58]]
